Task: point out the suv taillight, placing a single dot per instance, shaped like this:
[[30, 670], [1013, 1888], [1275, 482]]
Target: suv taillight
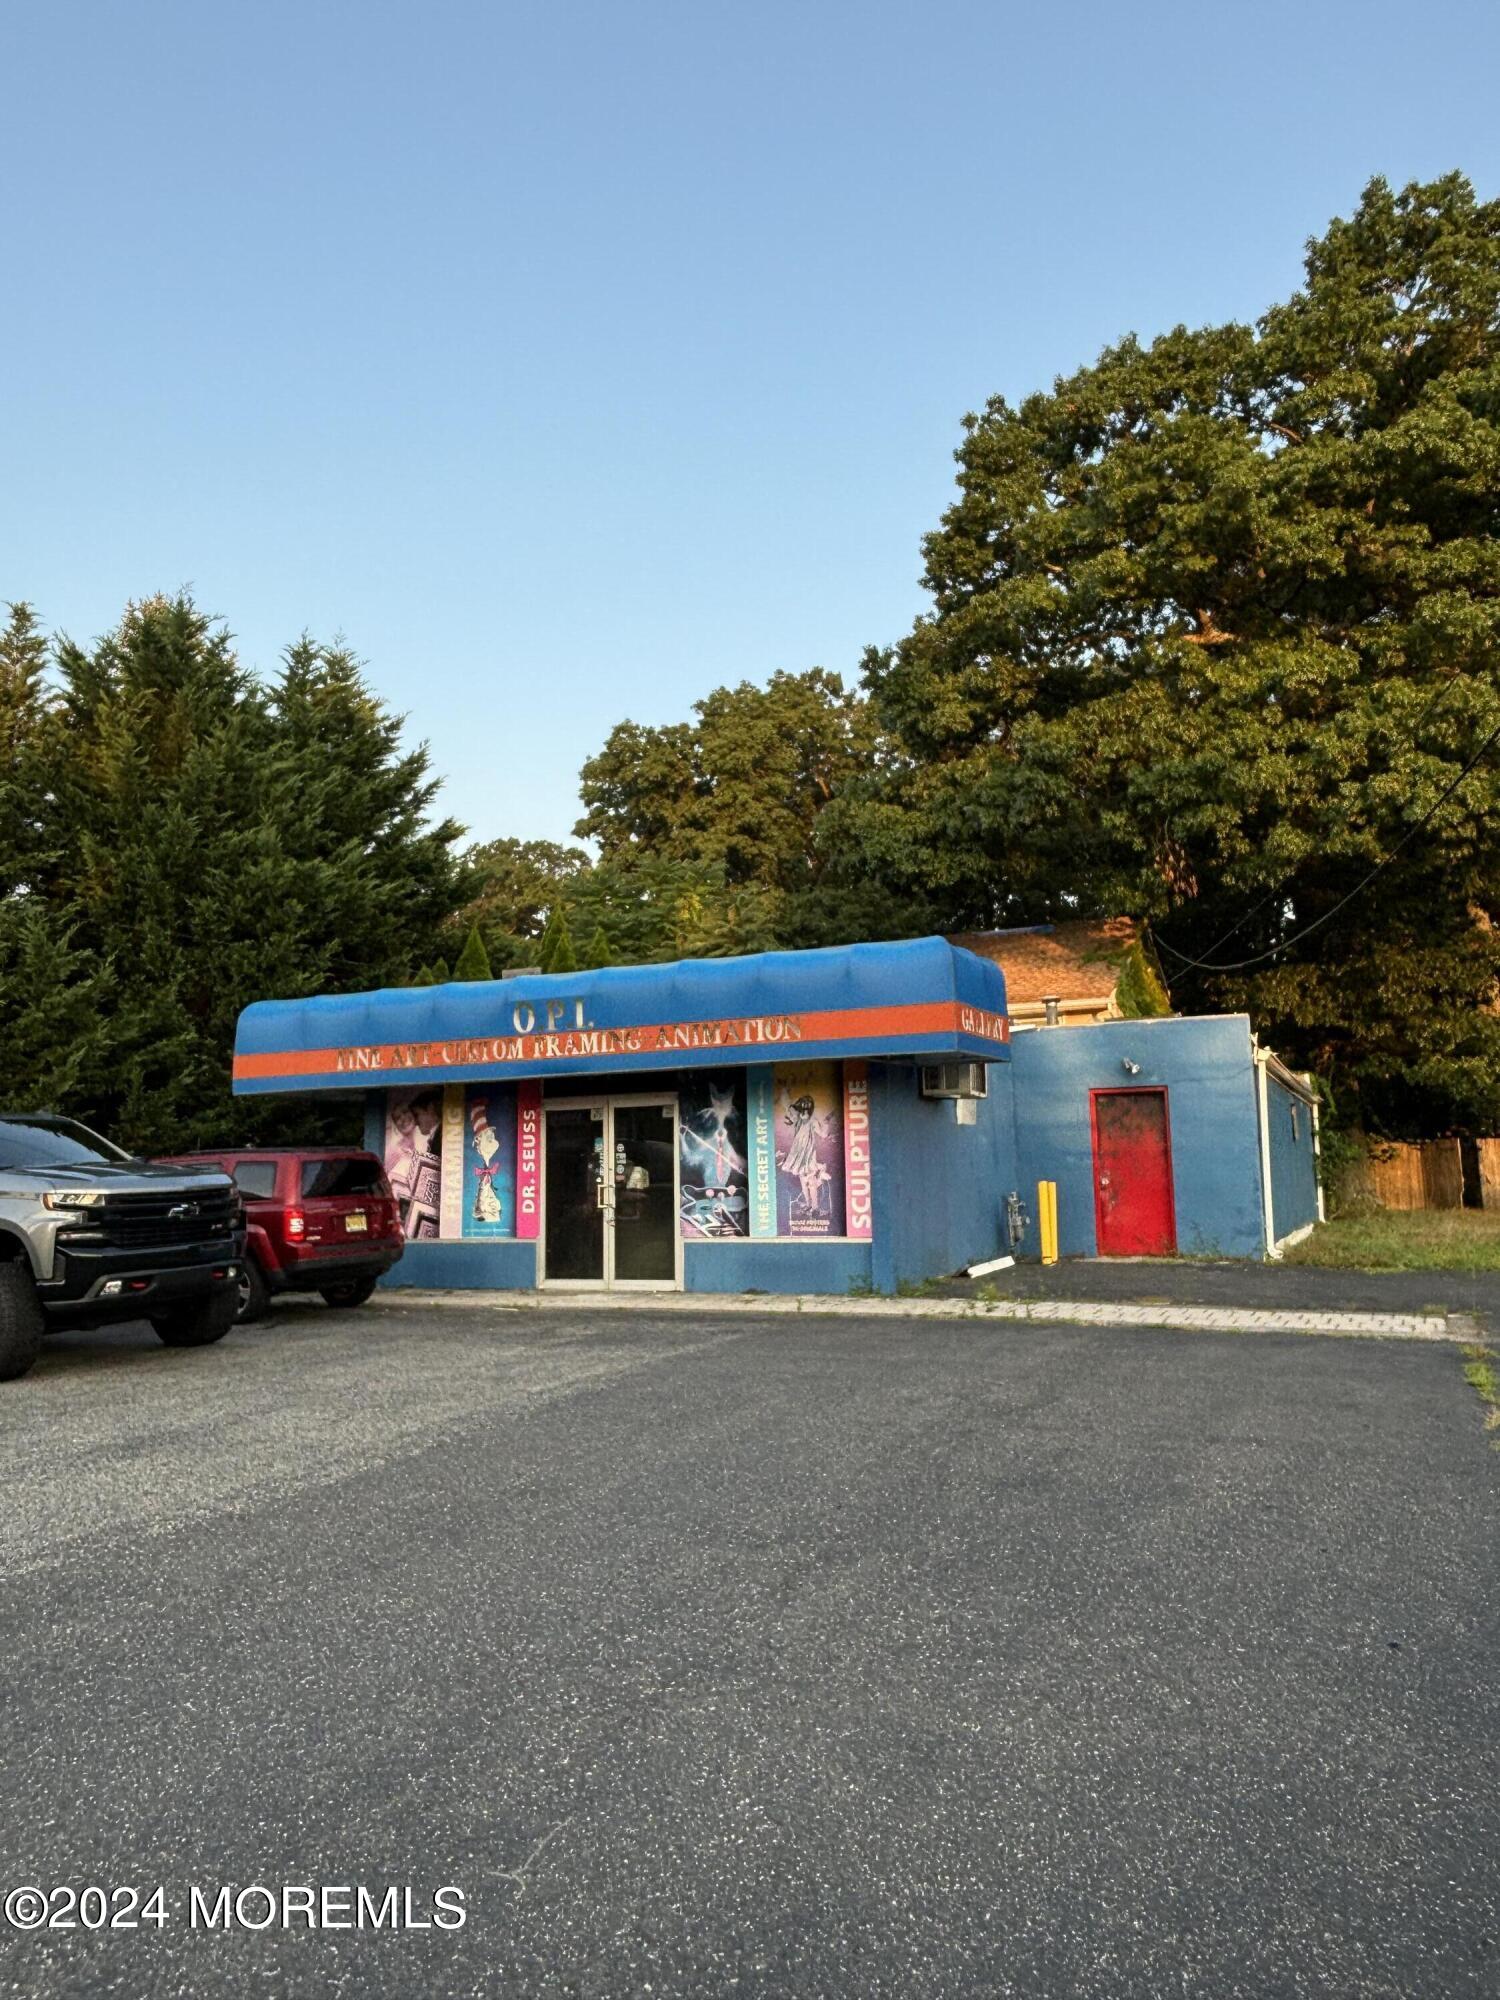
[[295, 1225]]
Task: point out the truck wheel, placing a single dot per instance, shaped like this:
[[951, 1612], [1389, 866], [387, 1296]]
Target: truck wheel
[[21, 1320], [251, 1295], [200, 1323], [353, 1294]]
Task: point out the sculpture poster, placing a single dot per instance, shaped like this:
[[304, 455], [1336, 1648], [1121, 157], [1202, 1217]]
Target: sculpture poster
[[809, 1145]]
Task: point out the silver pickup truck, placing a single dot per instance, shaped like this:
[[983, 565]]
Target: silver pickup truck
[[89, 1234]]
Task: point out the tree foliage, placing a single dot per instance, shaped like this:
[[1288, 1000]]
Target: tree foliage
[[1215, 632], [558, 954], [193, 841], [736, 795], [597, 954], [473, 961], [23, 708], [508, 888]]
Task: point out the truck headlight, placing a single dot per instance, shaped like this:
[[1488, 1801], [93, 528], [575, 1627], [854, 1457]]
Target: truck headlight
[[74, 1198]]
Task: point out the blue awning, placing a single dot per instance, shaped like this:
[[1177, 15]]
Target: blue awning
[[923, 997]]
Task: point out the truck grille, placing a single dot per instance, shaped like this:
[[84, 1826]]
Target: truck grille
[[137, 1221]]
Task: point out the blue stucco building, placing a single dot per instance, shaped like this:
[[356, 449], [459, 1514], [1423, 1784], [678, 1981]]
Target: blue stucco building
[[825, 1121], [1240, 1159]]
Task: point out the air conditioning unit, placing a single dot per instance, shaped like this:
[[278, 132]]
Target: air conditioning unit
[[955, 1079]]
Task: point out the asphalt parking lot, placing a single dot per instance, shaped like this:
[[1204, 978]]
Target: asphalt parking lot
[[757, 1657]]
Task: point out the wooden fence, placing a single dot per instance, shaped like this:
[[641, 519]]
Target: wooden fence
[[1429, 1174]]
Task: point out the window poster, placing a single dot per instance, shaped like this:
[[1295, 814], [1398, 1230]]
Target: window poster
[[451, 1199], [859, 1199], [760, 1120], [809, 1146], [414, 1158], [488, 1135], [711, 1147], [529, 1158]]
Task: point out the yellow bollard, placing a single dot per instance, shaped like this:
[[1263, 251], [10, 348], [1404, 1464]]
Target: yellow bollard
[[1046, 1215]]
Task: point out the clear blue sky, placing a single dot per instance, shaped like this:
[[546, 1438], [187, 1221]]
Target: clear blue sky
[[571, 359]]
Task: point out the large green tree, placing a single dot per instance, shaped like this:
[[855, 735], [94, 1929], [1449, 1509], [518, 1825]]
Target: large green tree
[[737, 793], [23, 709], [1215, 639], [652, 907], [201, 841], [508, 886]]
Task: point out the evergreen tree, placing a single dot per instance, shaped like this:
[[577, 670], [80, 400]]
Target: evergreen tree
[[23, 708], [564, 958], [473, 961], [507, 888], [53, 998], [377, 876], [598, 953], [425, 977], [547, 949], [201, 844], [440, 973]]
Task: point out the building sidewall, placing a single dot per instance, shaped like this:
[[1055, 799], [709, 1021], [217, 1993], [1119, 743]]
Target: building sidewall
[[1207, 1069], [1294, 1166]]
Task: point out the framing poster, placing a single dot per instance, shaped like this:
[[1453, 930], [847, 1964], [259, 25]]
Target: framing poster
[[711, 1145], [809, 1143]]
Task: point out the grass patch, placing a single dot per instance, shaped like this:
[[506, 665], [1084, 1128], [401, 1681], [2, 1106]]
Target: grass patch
[[1455, 1239], [1483, 1377]]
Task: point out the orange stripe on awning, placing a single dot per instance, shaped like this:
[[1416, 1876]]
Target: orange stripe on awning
[[758, 1037]]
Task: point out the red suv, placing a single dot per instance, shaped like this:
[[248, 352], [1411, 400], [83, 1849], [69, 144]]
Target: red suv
[[317, 1219]]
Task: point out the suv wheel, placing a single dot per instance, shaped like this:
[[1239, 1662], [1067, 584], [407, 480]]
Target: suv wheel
[[200, 1323], [251, 1295], [353, 1294], [21, 1320]]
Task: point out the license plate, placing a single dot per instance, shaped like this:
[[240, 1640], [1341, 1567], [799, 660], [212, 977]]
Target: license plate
[[356, 1225]]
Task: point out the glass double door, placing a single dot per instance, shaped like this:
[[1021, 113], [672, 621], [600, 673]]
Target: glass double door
[[609, 1192]]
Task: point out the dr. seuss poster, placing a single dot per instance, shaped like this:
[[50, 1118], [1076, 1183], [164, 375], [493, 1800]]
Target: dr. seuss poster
[[489, 1156], [711, 1143], [809, 1146]]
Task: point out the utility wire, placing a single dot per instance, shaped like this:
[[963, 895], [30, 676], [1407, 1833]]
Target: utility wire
[[1444, 688], [1240, 964]]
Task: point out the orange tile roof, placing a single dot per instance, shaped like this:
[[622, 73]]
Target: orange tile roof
[[1068, 961]]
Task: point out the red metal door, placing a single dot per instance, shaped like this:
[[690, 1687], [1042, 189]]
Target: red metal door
[[1133, 1212]]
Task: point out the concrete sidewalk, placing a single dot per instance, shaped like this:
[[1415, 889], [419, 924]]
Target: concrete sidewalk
[[1439, 1326], [1276, 1288]]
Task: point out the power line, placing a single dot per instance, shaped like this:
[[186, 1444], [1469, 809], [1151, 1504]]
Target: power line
[[1240, 964], [1444, 688]]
